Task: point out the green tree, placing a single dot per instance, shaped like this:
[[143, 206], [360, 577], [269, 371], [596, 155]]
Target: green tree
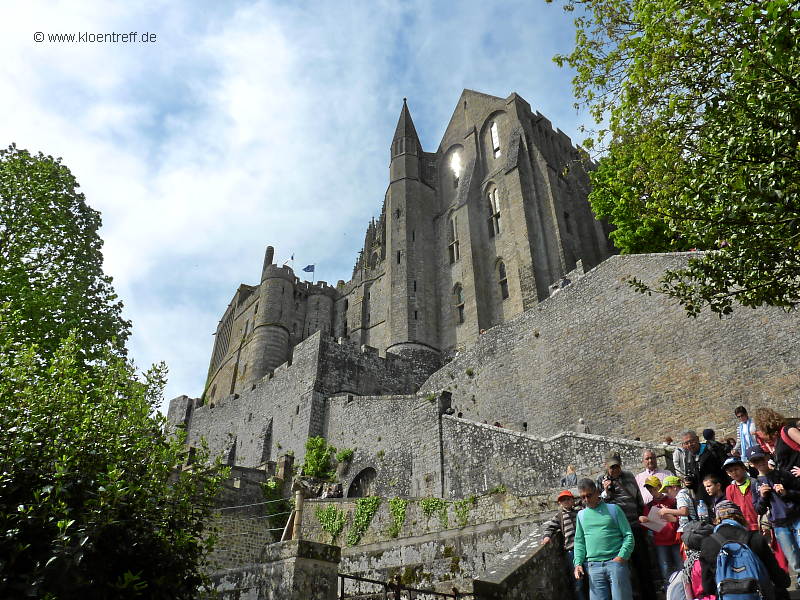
[[93, 501], [51, 265], [91, 504], [699, 104]]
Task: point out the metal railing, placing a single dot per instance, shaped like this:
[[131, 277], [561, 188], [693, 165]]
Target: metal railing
[[387, 590]]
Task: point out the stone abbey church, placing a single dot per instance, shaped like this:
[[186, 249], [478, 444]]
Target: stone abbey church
[[486, 292]]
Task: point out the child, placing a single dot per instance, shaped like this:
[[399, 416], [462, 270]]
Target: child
[[667, 540], [685, 500], [564, 522], [742, 490], [778, 492], [714, 491]]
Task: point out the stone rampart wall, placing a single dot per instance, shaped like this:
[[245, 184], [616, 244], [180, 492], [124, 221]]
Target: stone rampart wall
[[631, 365], [480, 457]]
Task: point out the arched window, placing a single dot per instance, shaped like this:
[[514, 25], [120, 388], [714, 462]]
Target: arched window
[[452, 239], [494, 212], [502, 279], [373, 260], [458, 302], [495, 139], [456, 167]]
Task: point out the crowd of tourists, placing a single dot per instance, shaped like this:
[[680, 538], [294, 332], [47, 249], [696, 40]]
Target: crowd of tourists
[[725, 524]]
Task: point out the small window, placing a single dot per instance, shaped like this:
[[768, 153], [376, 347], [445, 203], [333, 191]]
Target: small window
[[502, 279], [297, 410], [458, 303], [255, 312], [495, 140], [398, 257], [452, 238], [415, 315], [494, 212], [567, 223], [415, 285], [413, 235]]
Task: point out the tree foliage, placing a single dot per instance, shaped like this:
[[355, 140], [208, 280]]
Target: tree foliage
[[51, 266], [699, 101], [91, 505], [93, 502]]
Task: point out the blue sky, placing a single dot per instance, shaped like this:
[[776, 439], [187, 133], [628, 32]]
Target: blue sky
[[251, 123]]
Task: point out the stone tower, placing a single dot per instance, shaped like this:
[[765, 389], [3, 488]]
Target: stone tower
[[410, 272]]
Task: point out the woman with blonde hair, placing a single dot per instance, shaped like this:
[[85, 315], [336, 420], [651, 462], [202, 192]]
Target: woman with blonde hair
[[570, 479], [784, 435]]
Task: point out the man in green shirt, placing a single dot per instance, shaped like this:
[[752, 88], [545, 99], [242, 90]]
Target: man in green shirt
[[603, 545]]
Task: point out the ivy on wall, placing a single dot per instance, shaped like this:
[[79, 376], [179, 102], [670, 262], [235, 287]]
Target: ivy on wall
[[437, 506], [332, 520], [365, 510], [397, 509], [462, 508]]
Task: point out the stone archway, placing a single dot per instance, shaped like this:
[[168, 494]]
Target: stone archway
[[362, 484]]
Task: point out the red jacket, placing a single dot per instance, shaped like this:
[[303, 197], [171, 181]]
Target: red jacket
[[745, 501]]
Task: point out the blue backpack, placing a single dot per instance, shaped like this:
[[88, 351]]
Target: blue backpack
[[740, 573]]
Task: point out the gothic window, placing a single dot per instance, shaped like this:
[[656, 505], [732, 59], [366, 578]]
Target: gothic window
[[502, 279], [452, 240], [373, 261], [458, 302], [456, 167], [495, 140], [494, 212]]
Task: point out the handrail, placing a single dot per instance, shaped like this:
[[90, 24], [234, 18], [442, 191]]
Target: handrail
[[388, 586]]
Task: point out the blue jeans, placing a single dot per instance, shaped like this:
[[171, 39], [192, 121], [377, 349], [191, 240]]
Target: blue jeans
[[609, 580], [669, 561], [571, 569], [789, 539]]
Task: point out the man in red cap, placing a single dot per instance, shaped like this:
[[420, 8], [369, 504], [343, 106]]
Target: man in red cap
[[564, 521]]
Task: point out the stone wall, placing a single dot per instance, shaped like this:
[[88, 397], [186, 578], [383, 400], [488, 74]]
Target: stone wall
[[397, 436], [527, 572], [436, 551], [285, 407], [479, 457], [293, 570], [488, 508], [630, 364]]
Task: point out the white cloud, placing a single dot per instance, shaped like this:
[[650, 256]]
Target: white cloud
[[250, 124]]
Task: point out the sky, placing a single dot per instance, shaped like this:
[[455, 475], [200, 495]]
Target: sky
[[238, 125]]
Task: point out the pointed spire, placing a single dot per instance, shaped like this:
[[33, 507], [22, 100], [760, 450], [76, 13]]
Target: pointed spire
[[405, 126]]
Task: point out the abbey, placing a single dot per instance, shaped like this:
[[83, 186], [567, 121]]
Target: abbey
[[486, 292], [469, 236]]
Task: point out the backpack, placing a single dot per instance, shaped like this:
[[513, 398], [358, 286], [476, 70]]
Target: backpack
[[740, 573]]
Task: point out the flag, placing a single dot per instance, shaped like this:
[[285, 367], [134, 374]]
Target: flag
[[308, 268]]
